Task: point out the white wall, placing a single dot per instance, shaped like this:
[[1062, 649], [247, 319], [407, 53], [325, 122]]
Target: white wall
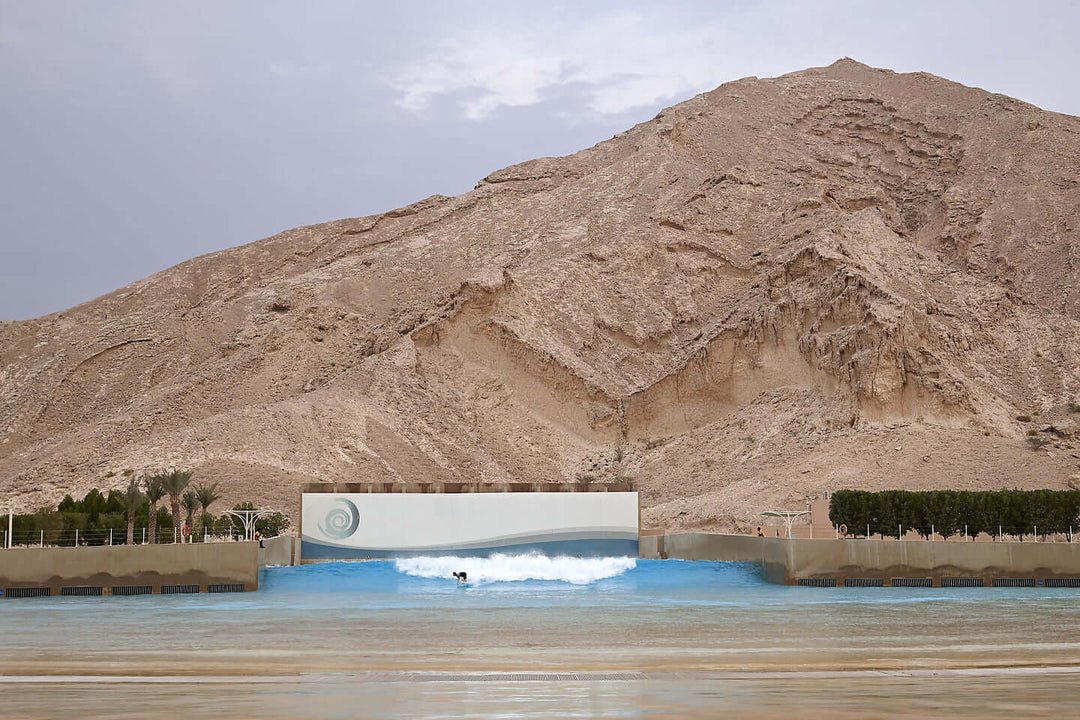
[[377, 523]]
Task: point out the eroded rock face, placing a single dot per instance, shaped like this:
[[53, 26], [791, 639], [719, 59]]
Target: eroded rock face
[[840, 277]]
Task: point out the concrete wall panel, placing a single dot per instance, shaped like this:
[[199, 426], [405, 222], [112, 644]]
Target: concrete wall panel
[[789, 560], [368, 526], [199, 564], [281, 550]]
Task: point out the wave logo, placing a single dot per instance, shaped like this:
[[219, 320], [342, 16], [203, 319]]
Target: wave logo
[[341, 521]]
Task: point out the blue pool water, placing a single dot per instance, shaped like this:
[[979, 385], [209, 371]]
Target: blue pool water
[[515, 579]]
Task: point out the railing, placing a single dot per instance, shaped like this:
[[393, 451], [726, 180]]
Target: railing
[[88, 538], [826, 531]]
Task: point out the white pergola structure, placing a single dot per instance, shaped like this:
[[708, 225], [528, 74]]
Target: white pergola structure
[[247, 519], [788, 516]]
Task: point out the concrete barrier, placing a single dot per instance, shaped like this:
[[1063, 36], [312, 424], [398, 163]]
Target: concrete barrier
[[962, 564], [206, 567], [280, 550]]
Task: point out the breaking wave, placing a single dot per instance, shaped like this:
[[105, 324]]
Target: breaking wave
[[511, 568]]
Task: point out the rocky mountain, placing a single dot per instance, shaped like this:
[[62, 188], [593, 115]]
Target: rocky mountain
[[842, 277]]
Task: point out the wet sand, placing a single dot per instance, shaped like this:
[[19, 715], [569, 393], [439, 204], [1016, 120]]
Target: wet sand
[[468, 673], [1046, 693]]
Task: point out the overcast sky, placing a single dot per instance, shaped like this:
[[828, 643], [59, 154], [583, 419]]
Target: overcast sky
[[135, 135]]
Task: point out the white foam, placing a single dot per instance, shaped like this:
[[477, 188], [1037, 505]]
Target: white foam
[[511, 568]]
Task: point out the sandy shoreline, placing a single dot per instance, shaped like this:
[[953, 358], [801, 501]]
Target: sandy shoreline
[[523, 676], [204, 670], [1033, 692]]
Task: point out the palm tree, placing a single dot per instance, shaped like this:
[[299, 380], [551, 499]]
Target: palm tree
[[174, 483], [191, 504], [133, 498], [207, 495], [155, 490]]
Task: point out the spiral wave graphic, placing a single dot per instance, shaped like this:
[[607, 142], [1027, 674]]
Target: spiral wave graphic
[[341, 521]]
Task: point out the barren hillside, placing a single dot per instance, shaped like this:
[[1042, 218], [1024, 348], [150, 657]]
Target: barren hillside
[[842, 277]]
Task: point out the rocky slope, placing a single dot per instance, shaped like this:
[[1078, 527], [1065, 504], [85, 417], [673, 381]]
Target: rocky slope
[[842, 277]]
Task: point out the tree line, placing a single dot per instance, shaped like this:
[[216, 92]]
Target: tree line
[[139, 506], [952, 512]]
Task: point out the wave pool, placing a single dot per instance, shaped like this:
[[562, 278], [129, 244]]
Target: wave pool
[[533, 636]]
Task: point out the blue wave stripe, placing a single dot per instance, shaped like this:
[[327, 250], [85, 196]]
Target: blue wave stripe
[[499, 540], [593, 547]]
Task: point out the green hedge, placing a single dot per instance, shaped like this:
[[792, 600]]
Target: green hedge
[[1016, 512]]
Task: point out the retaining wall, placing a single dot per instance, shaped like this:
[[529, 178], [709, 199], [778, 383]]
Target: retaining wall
[[195, 567], [865, 562], [280, 550]]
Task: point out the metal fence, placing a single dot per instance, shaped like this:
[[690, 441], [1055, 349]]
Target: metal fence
[[88, 538]]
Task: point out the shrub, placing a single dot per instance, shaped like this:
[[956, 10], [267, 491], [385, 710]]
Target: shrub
[[948, 511], [268, 525], [272, 525]]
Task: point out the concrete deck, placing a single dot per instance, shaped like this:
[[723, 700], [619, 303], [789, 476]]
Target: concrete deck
[[803, 561], [195, 567]]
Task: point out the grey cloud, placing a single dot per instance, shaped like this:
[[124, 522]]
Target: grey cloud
[[135, 135]]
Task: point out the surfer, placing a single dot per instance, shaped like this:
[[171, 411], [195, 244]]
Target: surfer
[[462, 577]]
